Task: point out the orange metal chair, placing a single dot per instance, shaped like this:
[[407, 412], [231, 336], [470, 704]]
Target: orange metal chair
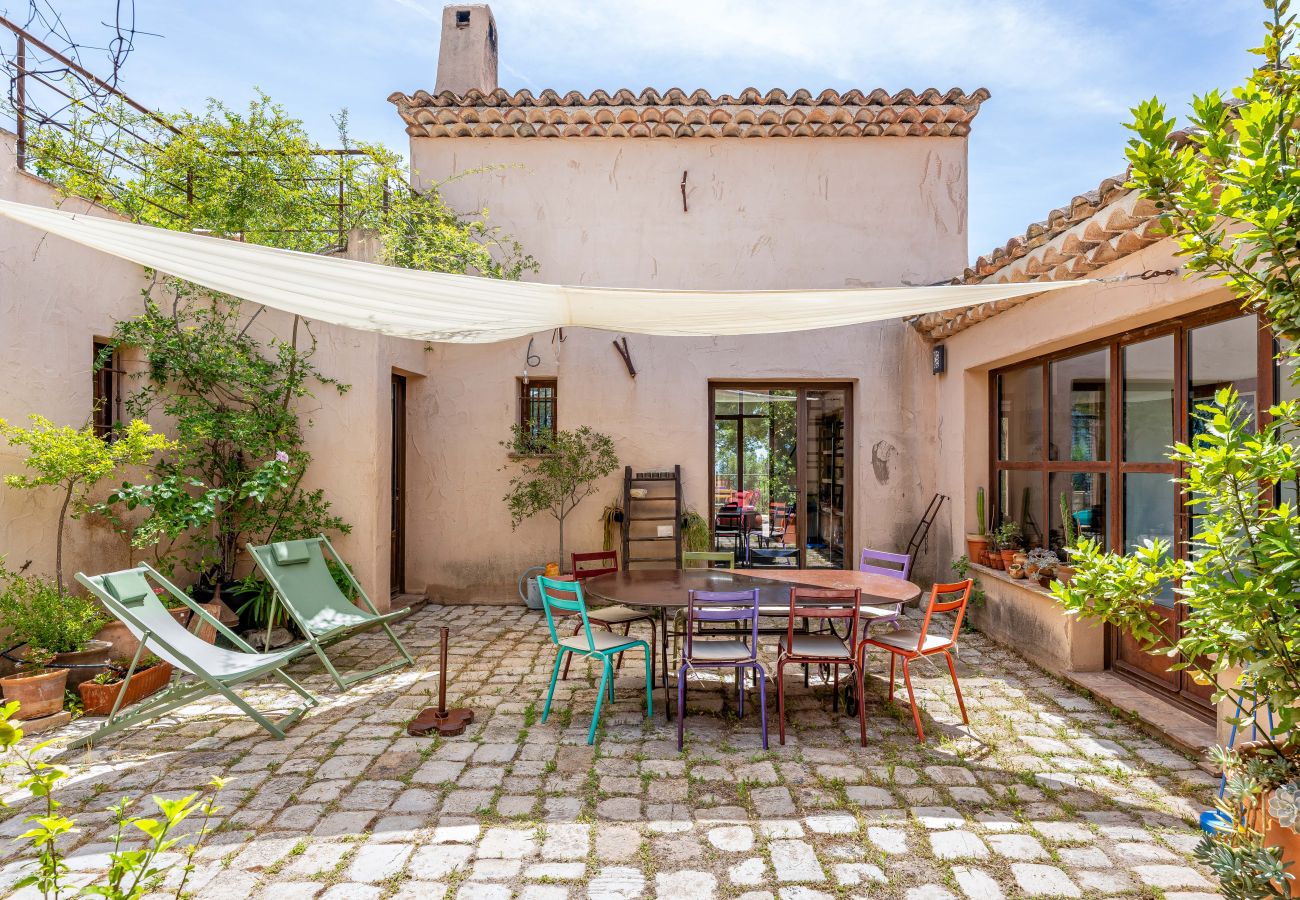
[[603, 562], [910, 644], [821, 649]]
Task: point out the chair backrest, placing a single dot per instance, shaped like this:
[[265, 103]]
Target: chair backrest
[[707, 558], [963, 589], [722, 606], [300, 574], [729, 518], [589, 565], [130, 597], [562, 598], [878, 562], [823, 603]]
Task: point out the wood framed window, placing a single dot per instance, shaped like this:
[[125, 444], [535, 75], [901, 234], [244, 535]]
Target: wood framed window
[[106, 391], [1093, 424], [538, 405]]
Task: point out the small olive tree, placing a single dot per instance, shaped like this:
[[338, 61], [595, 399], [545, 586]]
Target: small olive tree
[[560, 469]]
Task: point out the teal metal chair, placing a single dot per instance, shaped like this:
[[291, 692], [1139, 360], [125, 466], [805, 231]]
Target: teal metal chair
[[300, 574], [129, 595], [564, 598]]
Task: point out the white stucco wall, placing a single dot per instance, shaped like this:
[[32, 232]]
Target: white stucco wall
[[763, 213]]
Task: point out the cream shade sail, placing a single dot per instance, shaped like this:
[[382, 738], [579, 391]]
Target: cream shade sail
[[432, 306]]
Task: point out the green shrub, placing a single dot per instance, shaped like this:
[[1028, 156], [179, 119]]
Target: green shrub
[[38, 617]]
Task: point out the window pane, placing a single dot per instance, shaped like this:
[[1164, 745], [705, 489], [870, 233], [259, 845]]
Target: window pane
[[1020, 499], [726, 479], [1221, 355], [1085, 492], [726, 403], [1149, 399], [1080, 386], [1020, 420], [1149, 507]]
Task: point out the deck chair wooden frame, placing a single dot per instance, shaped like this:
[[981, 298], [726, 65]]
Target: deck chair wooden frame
[[147, 618], [329, 600]]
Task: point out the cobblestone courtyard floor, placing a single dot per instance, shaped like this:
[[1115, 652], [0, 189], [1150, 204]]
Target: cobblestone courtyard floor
[[1048, 794]]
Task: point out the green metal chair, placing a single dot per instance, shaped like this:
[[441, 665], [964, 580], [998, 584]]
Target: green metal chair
[[727, 558], [302, 580], [704, 559], [130, 597], [565, 597]]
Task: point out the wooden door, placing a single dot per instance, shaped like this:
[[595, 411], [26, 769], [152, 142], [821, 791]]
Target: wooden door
[[397, 536]]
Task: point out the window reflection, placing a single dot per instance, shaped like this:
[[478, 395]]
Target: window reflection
[[1149, 399], [1080, 386], [1085, 495], [1020, 401]]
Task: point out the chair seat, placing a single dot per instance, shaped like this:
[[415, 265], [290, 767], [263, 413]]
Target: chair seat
[[719, 651], [907, 638], [880, 612], [617, 615], [604, 641], [820, 646]]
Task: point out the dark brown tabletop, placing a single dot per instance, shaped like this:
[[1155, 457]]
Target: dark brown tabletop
[[666, 588]]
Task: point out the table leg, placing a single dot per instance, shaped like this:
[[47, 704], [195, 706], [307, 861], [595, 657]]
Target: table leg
[[663, 643]]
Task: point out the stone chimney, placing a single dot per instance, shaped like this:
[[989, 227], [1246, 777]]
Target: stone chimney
[[467, 57]]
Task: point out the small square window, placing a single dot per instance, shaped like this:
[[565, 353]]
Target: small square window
[[537, 405], [462, 18]]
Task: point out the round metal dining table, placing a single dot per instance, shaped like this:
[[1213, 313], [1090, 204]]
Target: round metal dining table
[[664, 591]]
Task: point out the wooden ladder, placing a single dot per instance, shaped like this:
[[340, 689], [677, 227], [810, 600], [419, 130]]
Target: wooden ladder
[[642, 517]]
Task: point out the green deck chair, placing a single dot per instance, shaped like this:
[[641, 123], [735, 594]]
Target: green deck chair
[[303, 582], [130, 597], [566, 597]]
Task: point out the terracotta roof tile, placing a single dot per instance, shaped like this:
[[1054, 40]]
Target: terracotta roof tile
[[1094, 229], [676, 114]]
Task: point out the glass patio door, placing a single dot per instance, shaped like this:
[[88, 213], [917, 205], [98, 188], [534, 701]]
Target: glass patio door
[[779, 490]]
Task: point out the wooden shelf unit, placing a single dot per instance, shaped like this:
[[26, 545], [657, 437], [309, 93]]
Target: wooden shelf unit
[[640, 515]]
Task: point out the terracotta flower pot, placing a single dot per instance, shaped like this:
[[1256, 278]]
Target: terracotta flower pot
[[1064, 573], [994, 559], [99, 698], [1008, 558], [96, 654], [36, 695], [976, 546]]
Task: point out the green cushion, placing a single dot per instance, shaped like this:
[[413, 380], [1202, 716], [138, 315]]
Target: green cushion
[[128, 588], [291, 553]]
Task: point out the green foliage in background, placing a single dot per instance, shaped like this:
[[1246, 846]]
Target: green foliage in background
[[73, 461], [42, 617], [256, 174], [1227, 190]]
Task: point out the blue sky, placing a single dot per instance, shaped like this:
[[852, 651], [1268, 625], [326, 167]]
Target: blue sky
[[1062, 75]]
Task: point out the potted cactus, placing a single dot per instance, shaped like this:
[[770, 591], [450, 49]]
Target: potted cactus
[[1007, 536], [977, 544]]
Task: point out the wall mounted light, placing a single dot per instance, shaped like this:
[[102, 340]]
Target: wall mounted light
[[938, 359]]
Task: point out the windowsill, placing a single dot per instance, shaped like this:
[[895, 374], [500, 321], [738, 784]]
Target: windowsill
[[1001, 575]]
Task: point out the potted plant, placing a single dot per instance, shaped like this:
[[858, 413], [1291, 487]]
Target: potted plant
[[99, 694], [695, 532], [1007, 536], [611, 520], [993, 556], [37, 616], [977, 544], [1069, 535], [560, 469], [36, 688]]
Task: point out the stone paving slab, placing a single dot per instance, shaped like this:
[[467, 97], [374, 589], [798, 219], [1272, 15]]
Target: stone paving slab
[[1046, 794]]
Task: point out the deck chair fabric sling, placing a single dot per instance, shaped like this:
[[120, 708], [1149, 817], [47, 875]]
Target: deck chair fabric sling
[[129, 595], [300, 574]]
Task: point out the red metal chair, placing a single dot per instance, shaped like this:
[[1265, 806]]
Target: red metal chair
[[821, 649], [603, 562], [910, 644]]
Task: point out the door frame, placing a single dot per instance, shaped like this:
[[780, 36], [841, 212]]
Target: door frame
[[397, 488], [801, 463]]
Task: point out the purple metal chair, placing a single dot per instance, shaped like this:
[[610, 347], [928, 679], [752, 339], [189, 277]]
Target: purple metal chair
[[891, 565], [726, 653]]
